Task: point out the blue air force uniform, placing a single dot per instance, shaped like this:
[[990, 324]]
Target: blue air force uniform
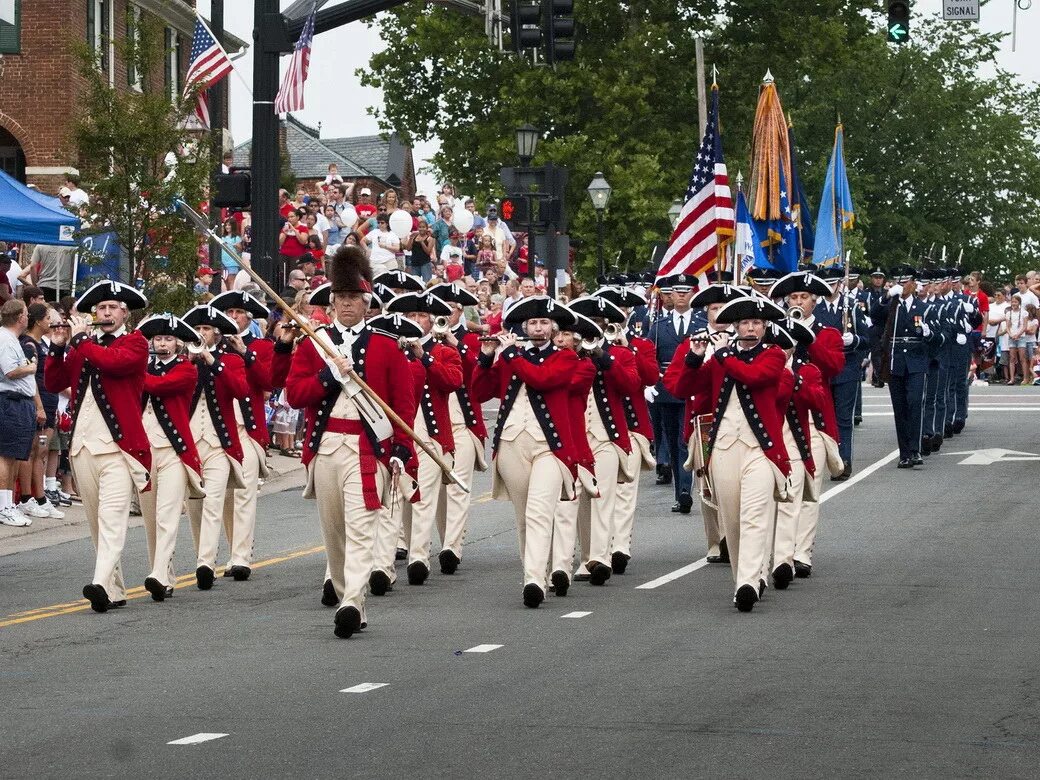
[[845, 386], [667, 332]]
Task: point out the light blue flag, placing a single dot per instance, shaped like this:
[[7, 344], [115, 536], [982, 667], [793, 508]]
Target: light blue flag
[[836, 210], [747, 247]]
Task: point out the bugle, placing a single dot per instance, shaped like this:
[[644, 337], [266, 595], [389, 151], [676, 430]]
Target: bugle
[[441, 327], [321, 344], [795, 313], [612, 332]]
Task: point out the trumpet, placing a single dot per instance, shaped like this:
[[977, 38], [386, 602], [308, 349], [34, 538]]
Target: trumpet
[[795, 313], [196, 349], [612, 333], [590, 345], [441, 327]]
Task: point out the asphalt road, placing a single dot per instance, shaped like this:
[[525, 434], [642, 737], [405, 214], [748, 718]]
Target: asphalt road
[[912, 650]]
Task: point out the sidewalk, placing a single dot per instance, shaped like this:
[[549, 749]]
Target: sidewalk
[[286, 474]]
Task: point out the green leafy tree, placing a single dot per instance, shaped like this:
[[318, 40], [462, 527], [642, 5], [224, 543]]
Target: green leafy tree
[[137, 155], [940, 143]]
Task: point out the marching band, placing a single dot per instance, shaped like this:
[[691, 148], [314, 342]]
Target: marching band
[[754, 390]]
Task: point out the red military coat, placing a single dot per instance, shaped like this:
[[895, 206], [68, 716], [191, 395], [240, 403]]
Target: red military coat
[[547, 375], [680, 383], [827, 354], [757, 374], [119, 369], [617, 378], [636, 411], [168, 388], [582, 378], [224, 383], [378, 360], [258, 361], [441, 378], [469, 351]]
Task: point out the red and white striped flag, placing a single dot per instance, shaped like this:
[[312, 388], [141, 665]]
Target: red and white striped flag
[[290, 94], [707, 214], [209, 63]]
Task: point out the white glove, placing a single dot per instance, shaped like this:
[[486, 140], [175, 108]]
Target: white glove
[[962, 339], [967, 328], [650, 394], [968, 308], [846, 339], [396, 466], [926, 330], [895, 291], [335, 371]]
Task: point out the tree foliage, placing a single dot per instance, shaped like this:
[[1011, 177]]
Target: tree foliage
[[940, 143], [124, 139]]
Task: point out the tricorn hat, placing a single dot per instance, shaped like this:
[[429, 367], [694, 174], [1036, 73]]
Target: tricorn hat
[[716, 293], [777, 335], [453, 292], [622, 297], [801, 332], [585, 328], [236, 299], [207, 315], [799, 281], [410, 301], [168, 325], [595, 306], [399, 280], [350, 271], [749, 309], [109, 290], [396, 326], [538, 306]]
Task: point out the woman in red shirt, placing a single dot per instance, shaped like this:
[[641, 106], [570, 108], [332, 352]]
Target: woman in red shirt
[[292, 241]]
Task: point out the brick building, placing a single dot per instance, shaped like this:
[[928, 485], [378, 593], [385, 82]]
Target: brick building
[[372, 161], [39, 81]]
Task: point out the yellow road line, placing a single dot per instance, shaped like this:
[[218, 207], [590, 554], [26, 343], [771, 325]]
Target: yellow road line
[[135, 593], [81, 605]]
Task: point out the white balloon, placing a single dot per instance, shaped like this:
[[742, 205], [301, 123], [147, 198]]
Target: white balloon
[[349, 217], [462, 219], [401, 223]]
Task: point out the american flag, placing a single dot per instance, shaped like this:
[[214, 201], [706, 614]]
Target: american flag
[[209, 64], [707, 214], [290, 94]]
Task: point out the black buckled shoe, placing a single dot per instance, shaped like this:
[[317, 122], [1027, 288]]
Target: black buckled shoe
[[379, 583], [239, 573], [156, 588], [204, 577], [449, 561], [417, 573], [619, 562], [328, 594], [802, 570], [746, 598], [97, 596], [782, 576], [533, 596], [561, 582], [348, 620], [598, 573]]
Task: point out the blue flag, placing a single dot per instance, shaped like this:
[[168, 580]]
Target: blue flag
[[780, 236], [837, 213], [802, 211], [747, 247]]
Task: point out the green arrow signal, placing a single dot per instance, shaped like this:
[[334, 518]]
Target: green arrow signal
[[897, 32]]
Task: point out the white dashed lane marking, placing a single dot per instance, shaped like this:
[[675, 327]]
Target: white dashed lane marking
[[578, 614], [195, 739], [482, 649], [364, 687]]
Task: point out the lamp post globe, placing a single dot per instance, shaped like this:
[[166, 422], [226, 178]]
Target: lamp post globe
[[674, 211], [599, 192], [527, 143]]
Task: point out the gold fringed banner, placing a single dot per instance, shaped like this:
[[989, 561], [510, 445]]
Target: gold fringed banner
[[770, 151]]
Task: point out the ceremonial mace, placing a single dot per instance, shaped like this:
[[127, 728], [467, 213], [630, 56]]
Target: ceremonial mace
[[200, 224]]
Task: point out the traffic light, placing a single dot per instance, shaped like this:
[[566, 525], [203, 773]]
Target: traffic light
[[525, 21], [558, 23], [898, 21], [513, 210]]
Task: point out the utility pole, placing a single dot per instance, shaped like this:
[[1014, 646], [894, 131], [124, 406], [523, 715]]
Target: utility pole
[[218, 122]]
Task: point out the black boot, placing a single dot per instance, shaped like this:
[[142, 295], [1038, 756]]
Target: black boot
[[664, 475]]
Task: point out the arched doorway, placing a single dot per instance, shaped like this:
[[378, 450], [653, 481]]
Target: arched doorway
[[12, 158]]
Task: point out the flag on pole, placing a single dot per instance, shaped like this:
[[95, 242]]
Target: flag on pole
[[837, 213], [800, 203], [707, 214], [290, 94], [780, 236], [746, 245], [209, 63]]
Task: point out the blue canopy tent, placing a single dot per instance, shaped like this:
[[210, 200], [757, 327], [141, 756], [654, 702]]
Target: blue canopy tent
[[32, 217]]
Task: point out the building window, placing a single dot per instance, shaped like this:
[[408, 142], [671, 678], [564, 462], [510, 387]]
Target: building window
[[99, 34], [133, 34], [172, 69], [10, 26]]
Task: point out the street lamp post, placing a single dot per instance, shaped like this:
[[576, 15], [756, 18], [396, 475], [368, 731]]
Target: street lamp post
[[599, 191], [674, 212], [526, 145]]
